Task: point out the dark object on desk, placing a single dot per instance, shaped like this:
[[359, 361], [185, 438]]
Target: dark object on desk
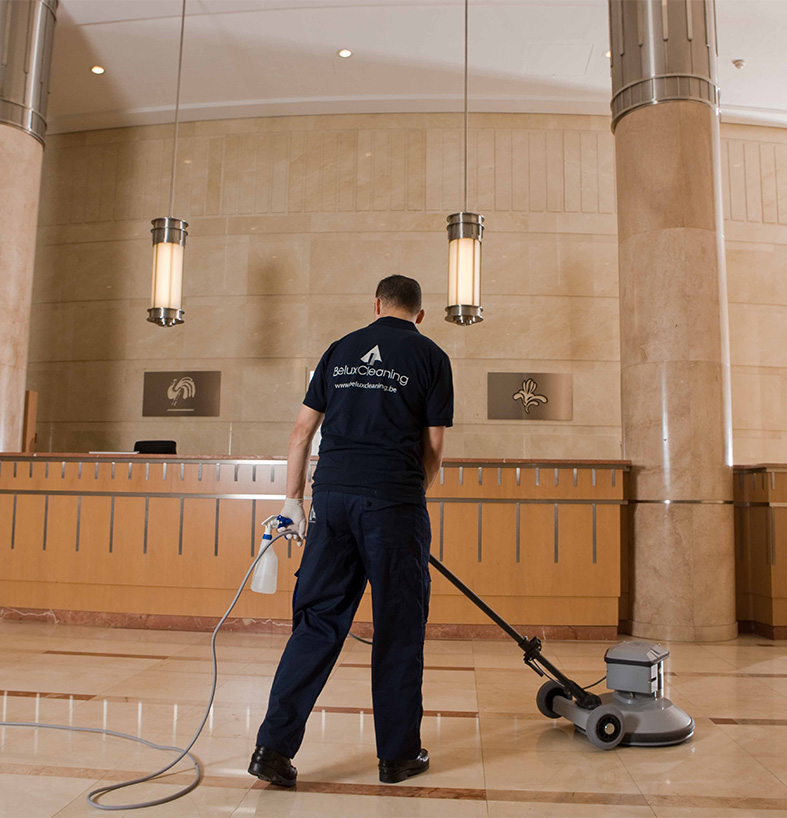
[[155, 447]]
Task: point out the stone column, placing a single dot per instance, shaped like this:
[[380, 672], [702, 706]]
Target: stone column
[[26, 32], [673, 314]]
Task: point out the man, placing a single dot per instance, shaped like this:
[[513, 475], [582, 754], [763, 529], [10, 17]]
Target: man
[[384, 396]]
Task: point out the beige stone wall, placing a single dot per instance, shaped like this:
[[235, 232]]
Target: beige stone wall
[[294, 220], [754, 164]]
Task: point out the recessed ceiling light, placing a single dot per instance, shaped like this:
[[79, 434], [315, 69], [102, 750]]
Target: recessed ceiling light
[[608, 54], [345, 53], [97, 69]]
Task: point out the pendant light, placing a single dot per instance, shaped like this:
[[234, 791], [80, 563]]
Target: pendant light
[[169, 236], [465, 232]]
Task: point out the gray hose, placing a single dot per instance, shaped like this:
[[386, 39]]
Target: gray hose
[[95, 794]]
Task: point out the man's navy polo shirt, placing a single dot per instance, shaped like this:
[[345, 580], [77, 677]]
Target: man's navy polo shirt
[[379, 387]]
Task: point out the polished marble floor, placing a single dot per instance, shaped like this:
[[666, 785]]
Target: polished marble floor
[[492, 753]]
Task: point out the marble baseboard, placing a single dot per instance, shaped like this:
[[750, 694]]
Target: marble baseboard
[[762, 629], [248, 625], [684, 633]]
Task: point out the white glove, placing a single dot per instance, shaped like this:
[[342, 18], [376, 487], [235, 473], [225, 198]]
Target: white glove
[[293, 510]]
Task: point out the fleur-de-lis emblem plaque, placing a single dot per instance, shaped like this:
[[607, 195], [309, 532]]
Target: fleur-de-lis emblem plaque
[[527, 394]]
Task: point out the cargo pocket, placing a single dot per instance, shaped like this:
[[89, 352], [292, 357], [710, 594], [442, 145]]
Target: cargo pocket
[[388, 524]]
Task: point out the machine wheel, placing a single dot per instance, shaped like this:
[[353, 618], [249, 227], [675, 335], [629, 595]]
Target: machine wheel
[[605, 727], [545, 697]]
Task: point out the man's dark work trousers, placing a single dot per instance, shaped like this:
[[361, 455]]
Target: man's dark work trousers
[[352, 538]]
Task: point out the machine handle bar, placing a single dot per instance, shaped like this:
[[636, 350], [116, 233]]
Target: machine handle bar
[[474, 598], [532, 647]]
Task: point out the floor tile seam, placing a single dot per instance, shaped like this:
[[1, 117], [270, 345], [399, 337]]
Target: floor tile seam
[[228, 674], [739, 744], [720, 801], [538, 796], [123, 680], [468, 794], [576, 797], [32, 694], [640, 790], [55, 771], [736, 802], [159, 657], [480, 745], [622, 758], [182, 777], [442, 793], [743, 722], [80, 799], [718, 674], [698, 702], [426, 667], [490, 714], [142, 699], [383, 790]]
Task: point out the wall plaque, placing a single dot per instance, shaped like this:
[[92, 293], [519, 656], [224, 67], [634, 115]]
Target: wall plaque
[[530, 396], [193, 394]]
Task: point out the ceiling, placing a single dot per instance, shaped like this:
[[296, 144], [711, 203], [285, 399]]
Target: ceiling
[[248, 58]]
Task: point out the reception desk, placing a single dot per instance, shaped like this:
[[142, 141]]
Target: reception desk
[[159, 541], [761, 549]]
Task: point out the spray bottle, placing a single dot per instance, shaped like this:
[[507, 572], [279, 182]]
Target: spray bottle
[[266, 573]]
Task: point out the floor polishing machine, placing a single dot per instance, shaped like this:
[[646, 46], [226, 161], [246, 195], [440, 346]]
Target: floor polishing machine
[[635, 712]]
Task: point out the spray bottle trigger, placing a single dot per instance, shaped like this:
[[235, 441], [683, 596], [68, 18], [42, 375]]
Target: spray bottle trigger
[[283, 522]]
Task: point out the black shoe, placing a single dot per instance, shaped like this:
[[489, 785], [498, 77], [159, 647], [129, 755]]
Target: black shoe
[[268, 765], [393, 771]]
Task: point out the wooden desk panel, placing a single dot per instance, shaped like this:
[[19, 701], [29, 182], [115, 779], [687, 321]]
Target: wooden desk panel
[[761, 548], [155, 537]]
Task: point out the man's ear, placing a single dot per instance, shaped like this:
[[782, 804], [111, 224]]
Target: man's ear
[[378, 306], [419, 317]]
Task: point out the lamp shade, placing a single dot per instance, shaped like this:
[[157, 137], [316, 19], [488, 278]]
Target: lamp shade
[[465, 232], [169, 241]]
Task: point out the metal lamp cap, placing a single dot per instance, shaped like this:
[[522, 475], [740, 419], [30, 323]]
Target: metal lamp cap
[[169, 230], [465, 226], [165, 316], [464, 314]]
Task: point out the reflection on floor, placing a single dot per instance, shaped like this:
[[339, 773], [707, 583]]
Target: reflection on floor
[[492, 754]]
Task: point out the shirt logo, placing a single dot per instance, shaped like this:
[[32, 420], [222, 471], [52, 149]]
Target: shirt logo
[[372, 356]]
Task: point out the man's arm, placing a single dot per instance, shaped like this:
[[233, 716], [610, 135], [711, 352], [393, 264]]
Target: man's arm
[[306, 424], [299, 452], [433, 437]]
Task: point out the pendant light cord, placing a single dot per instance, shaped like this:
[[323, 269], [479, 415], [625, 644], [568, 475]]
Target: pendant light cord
[[466, 39], [177, 112]]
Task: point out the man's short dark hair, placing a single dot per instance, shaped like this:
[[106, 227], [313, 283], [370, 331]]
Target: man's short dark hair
[[400, 292]]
